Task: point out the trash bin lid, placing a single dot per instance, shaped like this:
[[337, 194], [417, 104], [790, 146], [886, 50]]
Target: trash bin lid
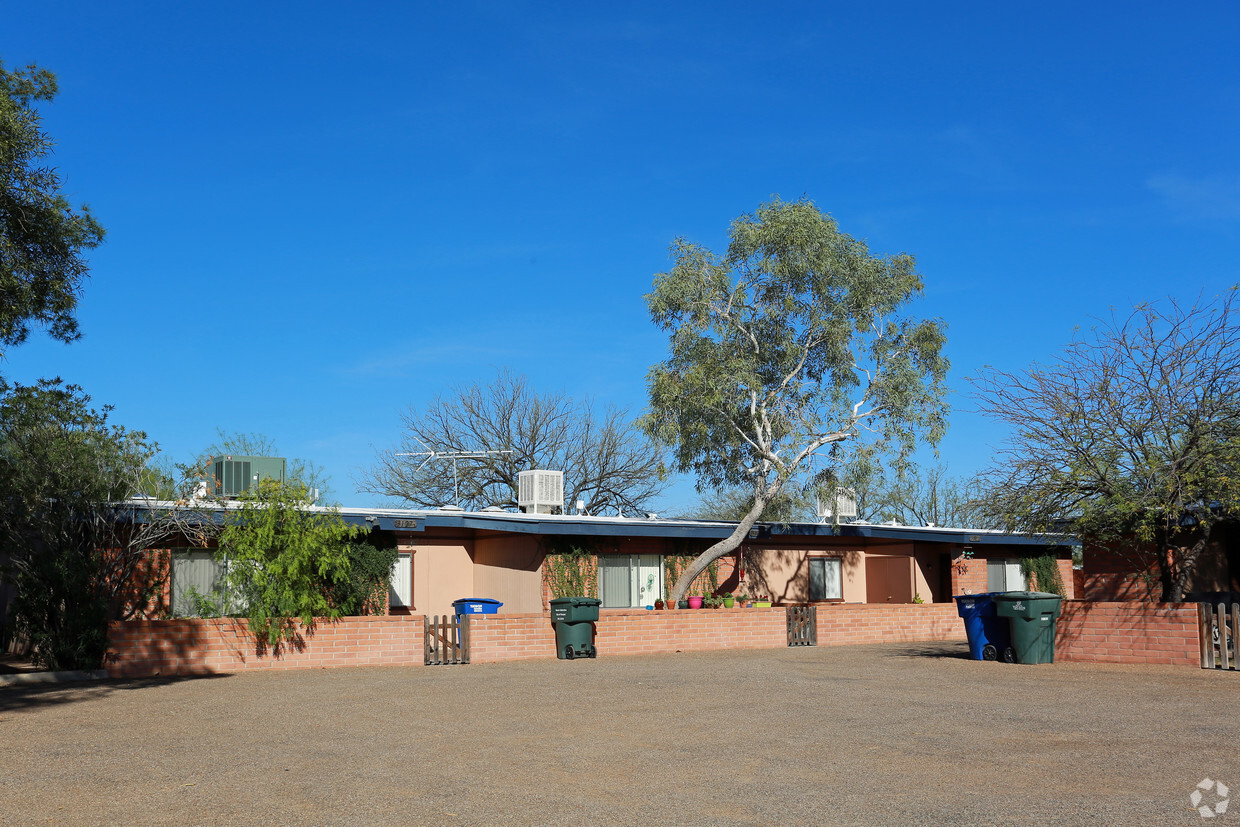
[[1012, 596], [487, 600], [576, 601]]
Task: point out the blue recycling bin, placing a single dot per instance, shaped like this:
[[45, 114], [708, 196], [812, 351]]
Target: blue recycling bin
[[990, 636], [476, 606]]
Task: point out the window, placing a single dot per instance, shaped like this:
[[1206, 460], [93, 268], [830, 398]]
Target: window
[[400, 590], [629, 580], [1004, 576], [825, 581]]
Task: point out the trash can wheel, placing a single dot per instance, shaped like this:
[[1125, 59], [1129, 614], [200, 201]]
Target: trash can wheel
[[989, 652], [1009, 655], [568, 652]]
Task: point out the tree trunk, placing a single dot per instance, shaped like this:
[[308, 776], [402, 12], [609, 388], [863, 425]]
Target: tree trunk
[[762, 498], [1187, 563]]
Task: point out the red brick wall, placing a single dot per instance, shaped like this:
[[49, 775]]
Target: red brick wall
[[850, 623], [638, 631], [969, 576], [1128, 633], [191, 646], [1109, 632]]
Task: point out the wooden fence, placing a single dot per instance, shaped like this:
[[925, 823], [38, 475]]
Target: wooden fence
[[802, 625], [446, 639], [1219, 626]]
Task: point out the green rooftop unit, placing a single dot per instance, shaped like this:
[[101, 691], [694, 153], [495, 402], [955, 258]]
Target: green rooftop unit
[[233, 476]]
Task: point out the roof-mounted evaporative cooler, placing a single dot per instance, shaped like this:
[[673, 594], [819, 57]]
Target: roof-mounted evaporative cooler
[[233, 476], [540, 492]]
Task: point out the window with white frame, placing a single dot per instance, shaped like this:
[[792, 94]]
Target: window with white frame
[[400, 586], [629, 580], [825, 579]]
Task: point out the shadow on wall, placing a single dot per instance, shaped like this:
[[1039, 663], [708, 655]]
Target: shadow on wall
[[764, 567], [1138, 621]]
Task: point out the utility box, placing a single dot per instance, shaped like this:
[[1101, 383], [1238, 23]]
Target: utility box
[[233, 476]]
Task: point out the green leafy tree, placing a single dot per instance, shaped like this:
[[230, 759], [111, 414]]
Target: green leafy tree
[[927, 497], [732, 504], [364, 589], [69, 546], [42, 236], [1131, 437], [284, 558], [789, 344]]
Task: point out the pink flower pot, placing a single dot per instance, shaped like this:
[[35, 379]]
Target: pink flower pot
[[695, 602]]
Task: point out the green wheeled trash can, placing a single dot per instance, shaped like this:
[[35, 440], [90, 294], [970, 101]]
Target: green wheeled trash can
[[574, 626], [1033, 617]]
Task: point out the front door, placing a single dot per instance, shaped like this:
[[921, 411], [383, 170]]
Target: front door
[[888, 579], [649, 569]]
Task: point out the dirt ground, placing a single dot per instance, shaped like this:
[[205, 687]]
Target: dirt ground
[[895, 734]]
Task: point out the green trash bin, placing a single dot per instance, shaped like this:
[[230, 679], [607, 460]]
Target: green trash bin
[[1033, 617], [574, 626]]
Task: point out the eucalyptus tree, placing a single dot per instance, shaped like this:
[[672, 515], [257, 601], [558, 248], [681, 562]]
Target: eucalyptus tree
[[790, 343], [1131, 436]]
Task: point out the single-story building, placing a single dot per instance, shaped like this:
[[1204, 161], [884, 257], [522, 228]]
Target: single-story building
[[447, 554]]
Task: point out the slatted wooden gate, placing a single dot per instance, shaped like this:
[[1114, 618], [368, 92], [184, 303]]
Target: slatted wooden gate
[[802, 625], [1219, 625], [445, 639]]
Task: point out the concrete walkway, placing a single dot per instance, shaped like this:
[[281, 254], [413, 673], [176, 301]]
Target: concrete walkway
[[907, 734]]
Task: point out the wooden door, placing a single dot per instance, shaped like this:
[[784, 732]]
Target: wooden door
[[888, 579]]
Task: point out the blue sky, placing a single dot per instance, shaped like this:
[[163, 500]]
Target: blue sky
[[322, 214]]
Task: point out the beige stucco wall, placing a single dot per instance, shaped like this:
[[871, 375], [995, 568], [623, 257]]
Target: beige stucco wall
[[509, 569], [443, 571], [786, 572]]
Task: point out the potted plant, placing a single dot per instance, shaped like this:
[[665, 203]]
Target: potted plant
[[712, 602], [761, 601], [695, 602], [728, 600], [683, 603], [658, 604]]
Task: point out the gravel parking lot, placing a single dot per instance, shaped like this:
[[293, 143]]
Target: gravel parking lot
[[905, 733]]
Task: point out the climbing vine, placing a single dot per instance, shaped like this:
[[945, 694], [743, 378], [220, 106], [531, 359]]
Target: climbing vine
[[1043, 574], [570, 570]]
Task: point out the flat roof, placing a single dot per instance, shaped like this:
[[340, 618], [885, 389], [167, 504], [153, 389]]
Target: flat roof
[[419, 520]]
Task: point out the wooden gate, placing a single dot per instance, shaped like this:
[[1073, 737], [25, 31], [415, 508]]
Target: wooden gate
[[1219, 626], [445, 639], [802, 625]]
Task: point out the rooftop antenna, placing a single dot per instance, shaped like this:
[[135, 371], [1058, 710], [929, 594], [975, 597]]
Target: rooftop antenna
[[454, 456]]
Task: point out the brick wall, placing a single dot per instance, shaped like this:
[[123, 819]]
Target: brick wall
[[1108, 632], [191, 646], [851, 623], [1128, 633], [969, 576]]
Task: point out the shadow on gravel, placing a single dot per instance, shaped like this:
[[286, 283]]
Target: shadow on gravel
[[18, 697], [950, 651]]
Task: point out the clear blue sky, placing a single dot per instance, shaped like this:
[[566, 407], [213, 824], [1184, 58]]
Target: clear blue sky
[[321, 214]]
